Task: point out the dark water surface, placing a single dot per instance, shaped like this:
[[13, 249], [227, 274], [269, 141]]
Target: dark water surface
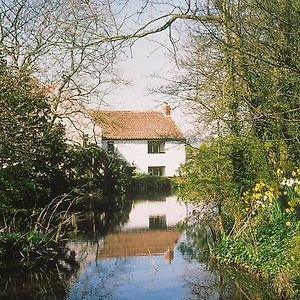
[[136, 251]]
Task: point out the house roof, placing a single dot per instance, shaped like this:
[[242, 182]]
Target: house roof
[[136, 125]]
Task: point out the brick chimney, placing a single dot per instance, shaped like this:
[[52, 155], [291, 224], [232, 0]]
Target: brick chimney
[[166, 109]]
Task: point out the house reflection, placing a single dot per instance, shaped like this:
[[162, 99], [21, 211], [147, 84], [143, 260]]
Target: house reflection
[[150, 230], [158, 222], [146, 214], [146, 243]]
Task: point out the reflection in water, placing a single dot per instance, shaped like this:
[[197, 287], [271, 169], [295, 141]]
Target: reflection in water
[[169, 255], [139, 243], [157, 222], [230, 283], [46, 283], [133, 250]]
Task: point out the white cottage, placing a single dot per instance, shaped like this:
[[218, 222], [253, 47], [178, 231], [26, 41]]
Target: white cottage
[[80, 127], [147, 140]]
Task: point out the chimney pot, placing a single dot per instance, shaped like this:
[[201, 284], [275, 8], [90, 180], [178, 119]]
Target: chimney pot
[[166, 109]]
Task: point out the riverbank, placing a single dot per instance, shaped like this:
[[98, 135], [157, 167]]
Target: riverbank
[[31, 238], [270, 253], [262, 236]]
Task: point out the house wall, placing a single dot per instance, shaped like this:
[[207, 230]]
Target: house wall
[[80, 128], [135, 152]]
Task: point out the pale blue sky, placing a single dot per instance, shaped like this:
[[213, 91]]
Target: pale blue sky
[[145, 59]]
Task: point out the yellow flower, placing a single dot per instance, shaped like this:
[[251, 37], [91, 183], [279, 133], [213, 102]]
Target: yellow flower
[[279, 172], [288, 223], [294, 173], [292, 203], [257, 187], [287, 210], [257, 195], [269, 194]]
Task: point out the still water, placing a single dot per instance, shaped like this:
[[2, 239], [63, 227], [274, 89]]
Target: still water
[[134, 251]]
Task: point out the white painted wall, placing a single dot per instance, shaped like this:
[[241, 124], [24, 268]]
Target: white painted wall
[[78, 123], [135, 152]]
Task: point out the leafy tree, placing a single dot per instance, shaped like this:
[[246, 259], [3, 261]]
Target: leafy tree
[[207, 175], [94, 171], [31, 149]]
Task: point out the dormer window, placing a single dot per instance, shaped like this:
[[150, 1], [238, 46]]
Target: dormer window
[[156, 146]]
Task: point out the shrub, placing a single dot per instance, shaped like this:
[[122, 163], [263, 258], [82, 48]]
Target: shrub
[[267, 239], [145, 183]]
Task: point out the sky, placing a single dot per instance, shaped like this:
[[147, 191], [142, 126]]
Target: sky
[[145, 59]]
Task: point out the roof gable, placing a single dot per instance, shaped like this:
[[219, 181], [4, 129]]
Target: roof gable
[[136, 125]]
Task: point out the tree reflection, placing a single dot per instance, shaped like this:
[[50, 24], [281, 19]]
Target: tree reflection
[[106, 217], [48, 282], [53, 281]]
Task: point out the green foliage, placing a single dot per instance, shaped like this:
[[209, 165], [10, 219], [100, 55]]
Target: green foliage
[[213, 176], [206, 176], [85, 165], [247, 92], [30, 237], [36, 165], [18, 246], [92, 169], [31, 147], [145, 183], [266, 240]]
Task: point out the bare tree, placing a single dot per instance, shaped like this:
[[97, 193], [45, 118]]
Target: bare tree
[[54, 42]]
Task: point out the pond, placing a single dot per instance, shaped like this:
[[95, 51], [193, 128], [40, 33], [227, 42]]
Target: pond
[[134, 251]]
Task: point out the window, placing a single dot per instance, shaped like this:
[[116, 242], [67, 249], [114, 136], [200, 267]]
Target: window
[[156, 171], [110, 147], [156, 146]]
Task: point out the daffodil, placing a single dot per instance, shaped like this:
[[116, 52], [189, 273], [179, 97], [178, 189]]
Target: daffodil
[[269, 194], [288, 223], [279, 172], [257, 195], [290, 182]]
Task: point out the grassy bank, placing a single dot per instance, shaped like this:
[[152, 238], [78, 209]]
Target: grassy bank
[[29, 238], [265, 237]]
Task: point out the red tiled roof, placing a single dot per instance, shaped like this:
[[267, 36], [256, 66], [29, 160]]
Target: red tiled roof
[[136, 125]]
